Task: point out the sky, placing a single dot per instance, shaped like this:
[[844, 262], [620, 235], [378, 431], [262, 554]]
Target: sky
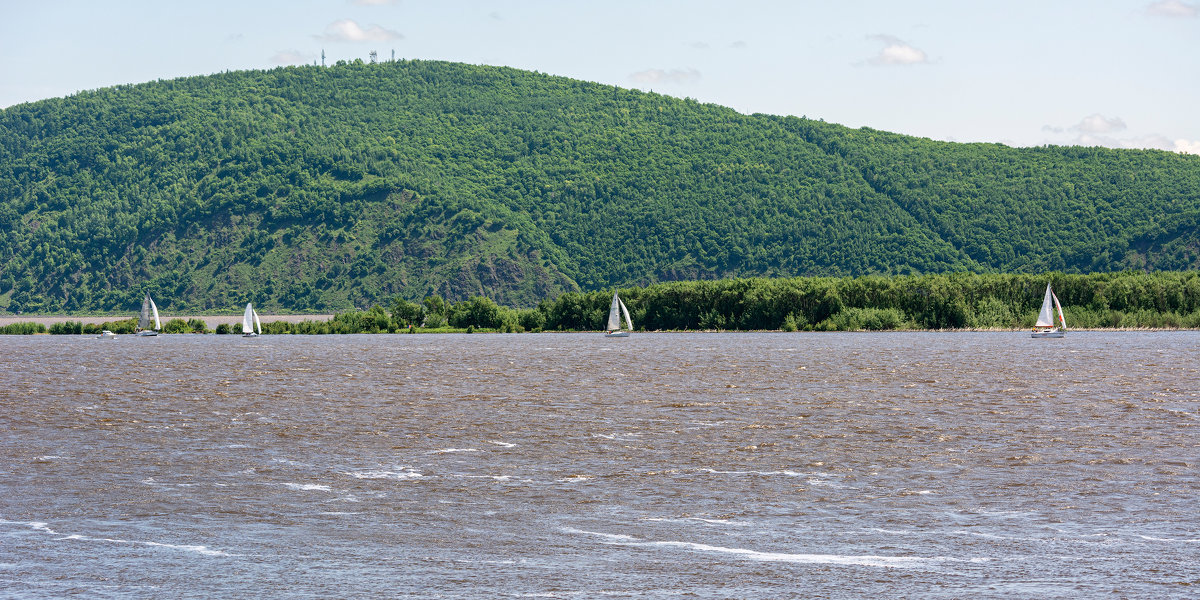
[[1119, 73]]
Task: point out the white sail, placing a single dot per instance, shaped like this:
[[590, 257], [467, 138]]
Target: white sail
[[1062, 320], [257, 323], [248, 319], [149, 314], [625, 311], [1046, 317], [614, 313]]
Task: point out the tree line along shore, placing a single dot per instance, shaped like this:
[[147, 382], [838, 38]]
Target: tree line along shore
[[1125, 300]]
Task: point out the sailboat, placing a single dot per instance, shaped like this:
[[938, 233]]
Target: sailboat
[[1047, 325], [148, 317], [615, 313], [251, 327]]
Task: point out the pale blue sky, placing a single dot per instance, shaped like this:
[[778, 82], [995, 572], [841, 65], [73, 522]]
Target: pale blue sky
[[1123, 73]]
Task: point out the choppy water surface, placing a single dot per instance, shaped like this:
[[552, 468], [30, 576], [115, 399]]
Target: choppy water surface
[[572, 466]]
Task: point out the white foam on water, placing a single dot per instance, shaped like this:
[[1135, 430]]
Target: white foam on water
[[574, 479], [830, 484], [698, 519], [502, 444], [205, 550], [868, 560], [890, 531], [75, 537], [382, 474], [495, 477], [48, 457], [39, 526], [452, 450], [785, 473], [1158, 539], [615, 537], [308, 487]]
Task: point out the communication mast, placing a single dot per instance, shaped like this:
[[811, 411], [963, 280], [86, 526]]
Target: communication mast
[[322, 57], [374, 55]]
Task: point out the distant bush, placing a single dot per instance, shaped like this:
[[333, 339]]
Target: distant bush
[[67, 328], [176, 326], [22, 329]]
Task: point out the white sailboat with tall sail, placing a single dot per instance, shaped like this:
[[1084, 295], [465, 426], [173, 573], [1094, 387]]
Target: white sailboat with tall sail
[[616, 313], [148, 323], [251, 326], [1050, 322]]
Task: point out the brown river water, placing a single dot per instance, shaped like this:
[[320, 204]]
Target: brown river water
[[718, 465]]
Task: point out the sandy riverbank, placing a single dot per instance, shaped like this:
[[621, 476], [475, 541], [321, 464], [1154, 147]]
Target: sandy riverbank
[[210, 321]]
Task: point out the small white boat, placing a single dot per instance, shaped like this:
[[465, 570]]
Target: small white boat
[[1050, 323], [615, 314], [148, 317], [106, 335], [251, 326]]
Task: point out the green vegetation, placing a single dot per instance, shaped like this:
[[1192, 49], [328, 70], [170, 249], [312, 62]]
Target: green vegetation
[[311, 189], [951, 301], [22, 329], [1129, 299]]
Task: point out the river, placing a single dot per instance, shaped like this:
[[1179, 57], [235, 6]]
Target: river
[[689, 465]]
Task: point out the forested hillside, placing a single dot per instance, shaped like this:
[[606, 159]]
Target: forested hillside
[[308, 188]]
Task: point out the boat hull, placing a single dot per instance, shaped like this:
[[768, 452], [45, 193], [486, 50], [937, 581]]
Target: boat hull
[[147, 333], [1050, 333], [249, 335], [617, 334]]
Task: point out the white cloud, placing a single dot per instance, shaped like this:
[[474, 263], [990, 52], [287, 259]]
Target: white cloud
[[738, 45], [1098, 130], [896, 52], [677, 76], [1173, 9], [290, 57], [1099, 124], [346, 30], [1187, 146]]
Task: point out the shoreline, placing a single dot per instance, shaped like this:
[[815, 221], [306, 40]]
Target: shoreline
[[210, 321]]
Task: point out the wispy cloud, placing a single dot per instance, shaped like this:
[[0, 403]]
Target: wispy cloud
[[1173, 9], [1111, 132], [738, 45], [1187, 146], [374, 2], [1097, 123], [896, 52], [672, 76], [290, 57], [347, 30]]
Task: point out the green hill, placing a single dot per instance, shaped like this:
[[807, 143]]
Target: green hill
[[308, 188]]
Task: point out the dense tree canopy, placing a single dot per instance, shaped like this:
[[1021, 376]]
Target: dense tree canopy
[[308, 188]]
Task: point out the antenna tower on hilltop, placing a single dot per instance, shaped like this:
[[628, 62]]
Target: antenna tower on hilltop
[[374, 55], [322, 57]]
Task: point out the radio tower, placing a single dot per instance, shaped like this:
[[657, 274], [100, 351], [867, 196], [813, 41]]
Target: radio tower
[[322, 57], [374, 55]]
